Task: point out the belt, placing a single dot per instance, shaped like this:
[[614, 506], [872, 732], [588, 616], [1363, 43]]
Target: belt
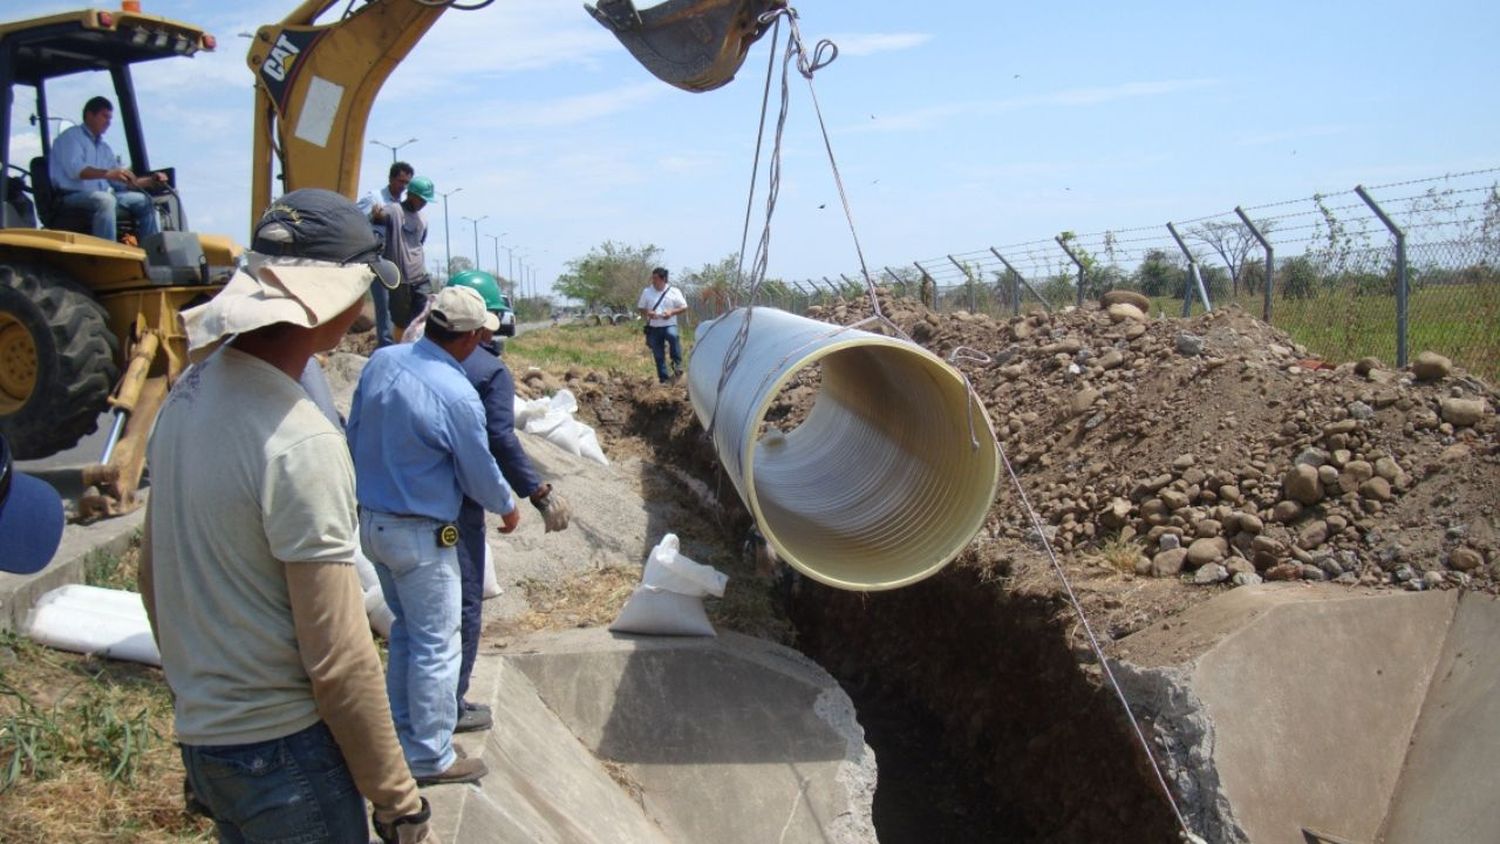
[[446, 533]]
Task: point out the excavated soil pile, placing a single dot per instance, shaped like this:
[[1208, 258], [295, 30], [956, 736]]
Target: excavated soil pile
[[1167, 460]]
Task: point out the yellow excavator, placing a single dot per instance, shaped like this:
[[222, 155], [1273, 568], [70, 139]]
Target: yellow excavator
[[89, 325]]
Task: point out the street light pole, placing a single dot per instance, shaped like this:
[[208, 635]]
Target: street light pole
[[447, 239], [394, 148], [496, 239], [476, 237]]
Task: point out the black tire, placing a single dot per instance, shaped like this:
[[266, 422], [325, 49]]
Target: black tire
[[73, 357]]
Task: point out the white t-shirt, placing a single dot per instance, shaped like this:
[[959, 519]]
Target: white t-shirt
[[247, 476], [673, 300]]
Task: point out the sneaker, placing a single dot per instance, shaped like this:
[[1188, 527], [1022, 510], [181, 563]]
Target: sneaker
[[473, 720], [479, 706], [461, 771]]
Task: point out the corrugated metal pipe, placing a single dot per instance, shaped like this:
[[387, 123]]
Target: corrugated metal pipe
[[887, 479]]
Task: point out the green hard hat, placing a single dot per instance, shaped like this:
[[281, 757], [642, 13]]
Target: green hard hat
[[482, 283], [422, 186]]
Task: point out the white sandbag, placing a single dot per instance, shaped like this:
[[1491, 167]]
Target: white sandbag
[[91, 620], [658, 612], [554, 422], [381, 617], [366, 569], [669, 601], [666, 568], [492, 588]]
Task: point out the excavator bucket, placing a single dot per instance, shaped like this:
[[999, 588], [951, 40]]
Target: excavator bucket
[[695, 45]]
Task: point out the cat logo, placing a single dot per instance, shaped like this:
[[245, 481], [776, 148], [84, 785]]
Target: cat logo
[[282, 57], [447, 535]]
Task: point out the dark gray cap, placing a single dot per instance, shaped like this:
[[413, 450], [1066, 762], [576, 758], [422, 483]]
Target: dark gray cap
[[321, 225]]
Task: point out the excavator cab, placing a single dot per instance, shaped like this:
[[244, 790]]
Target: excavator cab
[[86, 324]]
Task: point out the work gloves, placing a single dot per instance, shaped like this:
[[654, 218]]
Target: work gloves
[[555, 510], [407, 829]]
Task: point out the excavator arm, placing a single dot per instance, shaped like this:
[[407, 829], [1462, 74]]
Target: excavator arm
[[315, 83]]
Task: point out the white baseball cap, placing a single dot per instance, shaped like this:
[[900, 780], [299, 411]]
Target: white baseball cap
[[461, 309]]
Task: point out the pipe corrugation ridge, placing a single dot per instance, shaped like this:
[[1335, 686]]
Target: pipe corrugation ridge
[[881, 485]]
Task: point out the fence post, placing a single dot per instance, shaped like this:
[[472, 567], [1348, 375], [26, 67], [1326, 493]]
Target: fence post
[[1074, 259], [1401, 289], [896, 278], [927, 279], [1265, 310], [1187, 293], [1018, 281], [965, 270]]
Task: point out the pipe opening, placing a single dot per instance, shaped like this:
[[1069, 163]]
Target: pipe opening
[[888, 477]]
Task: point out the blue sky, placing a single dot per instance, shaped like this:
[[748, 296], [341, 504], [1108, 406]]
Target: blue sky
[[956, 125]]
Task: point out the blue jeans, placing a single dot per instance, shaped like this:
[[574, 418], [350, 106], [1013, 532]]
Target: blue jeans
[[421, 585], [101, 204], [471, 573], [382, 296], [660, 338], [289, 790]]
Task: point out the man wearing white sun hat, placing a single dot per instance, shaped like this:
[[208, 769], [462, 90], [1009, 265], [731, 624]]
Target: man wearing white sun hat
[[247, 569]]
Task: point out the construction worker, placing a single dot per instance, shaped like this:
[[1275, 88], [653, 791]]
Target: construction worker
[[660, 303], [87, 174], [417, 432], [373, 206], [247, 565], [497, 392], [406, 235]]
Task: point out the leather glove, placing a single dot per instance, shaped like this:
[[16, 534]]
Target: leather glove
[[407, 829], [555, 510]]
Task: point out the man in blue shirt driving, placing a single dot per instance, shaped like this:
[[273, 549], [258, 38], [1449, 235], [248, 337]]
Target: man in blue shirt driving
[[87, 174]]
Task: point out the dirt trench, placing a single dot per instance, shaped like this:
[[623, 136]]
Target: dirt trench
[[986, 724]]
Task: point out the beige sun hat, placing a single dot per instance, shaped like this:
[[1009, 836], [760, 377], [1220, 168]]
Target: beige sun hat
[[461, 309], [312, 257]]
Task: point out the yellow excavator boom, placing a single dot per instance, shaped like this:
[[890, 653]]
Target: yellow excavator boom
[[315, 83]]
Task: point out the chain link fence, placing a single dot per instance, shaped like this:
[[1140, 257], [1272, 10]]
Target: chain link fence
[[1387, 271]]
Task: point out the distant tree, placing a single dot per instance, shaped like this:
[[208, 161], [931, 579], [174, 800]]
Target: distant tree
[[1159, 274], [1232, 242], [610, 276], [1297, 277], [458, 264], [717, 285]]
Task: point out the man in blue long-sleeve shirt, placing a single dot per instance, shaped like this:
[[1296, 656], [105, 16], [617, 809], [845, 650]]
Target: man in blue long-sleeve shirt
[[417, 433], [497, 392], [86, 174]]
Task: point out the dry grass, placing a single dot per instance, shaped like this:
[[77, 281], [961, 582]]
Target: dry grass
[[1117, 554], [86, 745], [590, 599]]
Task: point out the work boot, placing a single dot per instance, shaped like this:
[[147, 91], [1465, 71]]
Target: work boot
[[461, 771], [473, 720]]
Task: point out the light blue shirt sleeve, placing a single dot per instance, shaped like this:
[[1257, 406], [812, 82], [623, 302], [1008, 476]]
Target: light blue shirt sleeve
[[478, 473]]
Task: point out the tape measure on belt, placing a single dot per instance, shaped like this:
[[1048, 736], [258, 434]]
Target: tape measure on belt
[[447, 535]]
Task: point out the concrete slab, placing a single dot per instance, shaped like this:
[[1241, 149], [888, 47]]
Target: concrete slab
[[1445, 792], [731, 739], [544, 786], [1282, 708]]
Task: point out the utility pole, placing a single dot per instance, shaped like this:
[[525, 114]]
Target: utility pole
[[447, 239], [476, 222], [496, 244], [393, 148]]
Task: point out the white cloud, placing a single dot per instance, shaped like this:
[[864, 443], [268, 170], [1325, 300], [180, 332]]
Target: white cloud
[[1066, 98], [867, 44]]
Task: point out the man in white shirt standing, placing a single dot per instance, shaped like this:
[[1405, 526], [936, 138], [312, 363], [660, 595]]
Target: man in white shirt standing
[[660, 303], [86, 174]]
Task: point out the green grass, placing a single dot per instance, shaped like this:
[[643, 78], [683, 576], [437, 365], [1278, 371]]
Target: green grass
[[606, 348], [1461, 322]]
